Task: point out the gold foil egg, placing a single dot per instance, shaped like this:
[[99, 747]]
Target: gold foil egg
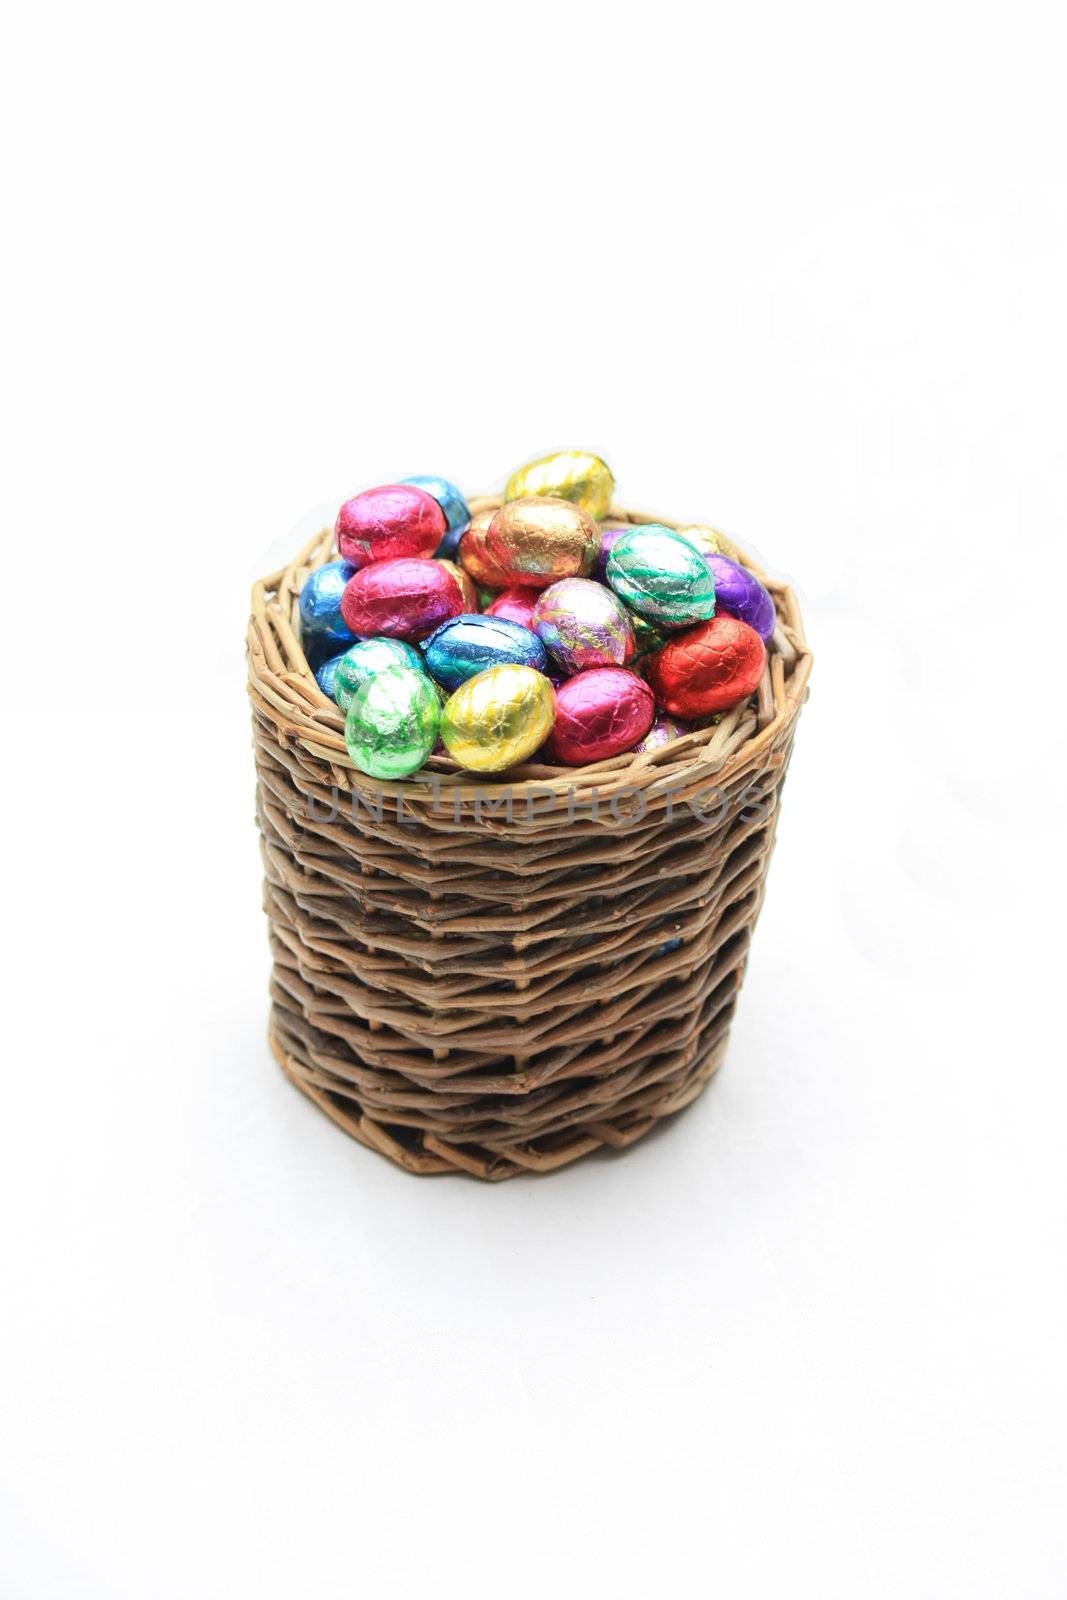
[[709, 541], [498, 718], [466, 585], [539, 541], [575, 475], [475, 558]]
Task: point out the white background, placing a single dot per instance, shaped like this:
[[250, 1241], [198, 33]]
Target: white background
[[799, 271]]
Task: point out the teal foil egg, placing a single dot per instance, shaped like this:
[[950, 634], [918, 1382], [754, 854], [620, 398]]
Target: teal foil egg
[[661, 577], [470, 644], [365, 660], [457, 511], [392, 723]]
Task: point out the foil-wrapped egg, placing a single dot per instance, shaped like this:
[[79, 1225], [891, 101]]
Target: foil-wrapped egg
[[709, 668], [517, 605], [537, 542], [391, 726], [365, 660], [401, 599], [498, 718], [740, 592], [322, 624], [663, 731], [466, 585], [575, 475], [388, 524], [326, 675], [475, 558], [647, 637], [467, 645], [607, 540], [456, 510], [662, 577], [583, 624], [601, 713], [709, 541]]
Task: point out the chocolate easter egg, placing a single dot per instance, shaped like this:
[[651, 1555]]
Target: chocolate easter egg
[[467, 645], [365, 660], [740, 592], [661, 576], [392, 723], [538, 542], [401, 599], [466, 584], [395, 521], [326, 675], [498, 718], [322, 622], [517, 605], [708, 668], [456, 510], [601, 713], [662, 732], [608, 537], [709, 541], [583, 624], [474, 557], [575, 475]]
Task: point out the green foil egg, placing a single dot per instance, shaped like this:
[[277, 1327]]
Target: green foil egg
[[365, 660], [392, 723], [661, 577]]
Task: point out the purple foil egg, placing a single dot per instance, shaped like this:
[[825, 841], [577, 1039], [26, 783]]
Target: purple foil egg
[[740, 593], [607, 539], [583, 624], [663, 731]]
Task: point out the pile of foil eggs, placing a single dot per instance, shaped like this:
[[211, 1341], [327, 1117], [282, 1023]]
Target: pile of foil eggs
[[535, 628]]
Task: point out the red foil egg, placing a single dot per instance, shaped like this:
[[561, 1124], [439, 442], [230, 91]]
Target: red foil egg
[[708, 668], [516, 605], [401, 599], [389, 524], [601, 713]]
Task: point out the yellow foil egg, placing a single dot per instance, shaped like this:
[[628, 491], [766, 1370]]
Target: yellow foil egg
[[539, 541], [575, 475], [709, 541], [498, 718]]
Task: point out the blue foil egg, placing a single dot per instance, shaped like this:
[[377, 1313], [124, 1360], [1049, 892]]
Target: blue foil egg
[[326, 674], [464, 646], [321, 621], [456, 510]]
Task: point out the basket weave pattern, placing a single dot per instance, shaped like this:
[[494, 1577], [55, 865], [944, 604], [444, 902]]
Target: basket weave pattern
[[465, 985]]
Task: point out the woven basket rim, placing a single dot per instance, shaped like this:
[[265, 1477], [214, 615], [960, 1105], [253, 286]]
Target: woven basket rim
[[283, 687]]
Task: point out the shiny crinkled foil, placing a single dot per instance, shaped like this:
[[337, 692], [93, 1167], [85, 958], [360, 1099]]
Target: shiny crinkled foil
[[537, 542], [599, 714], [709, 668], [575, 475], [661, 576], [474, 557], [709, 541], [499, 718], [392, 723], [583, 624]]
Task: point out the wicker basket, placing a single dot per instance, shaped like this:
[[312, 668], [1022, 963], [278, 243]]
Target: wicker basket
[[500, 976]]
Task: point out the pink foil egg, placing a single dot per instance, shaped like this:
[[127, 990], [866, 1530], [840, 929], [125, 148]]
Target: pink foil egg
[[516, 605], [389, 524], [401, 599], [599, 714]]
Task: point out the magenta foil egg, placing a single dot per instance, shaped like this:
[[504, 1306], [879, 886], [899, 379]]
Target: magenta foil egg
[[387, 524], [583, 624], [401, 599], [515, 605], [601, 713], [740, 593]]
